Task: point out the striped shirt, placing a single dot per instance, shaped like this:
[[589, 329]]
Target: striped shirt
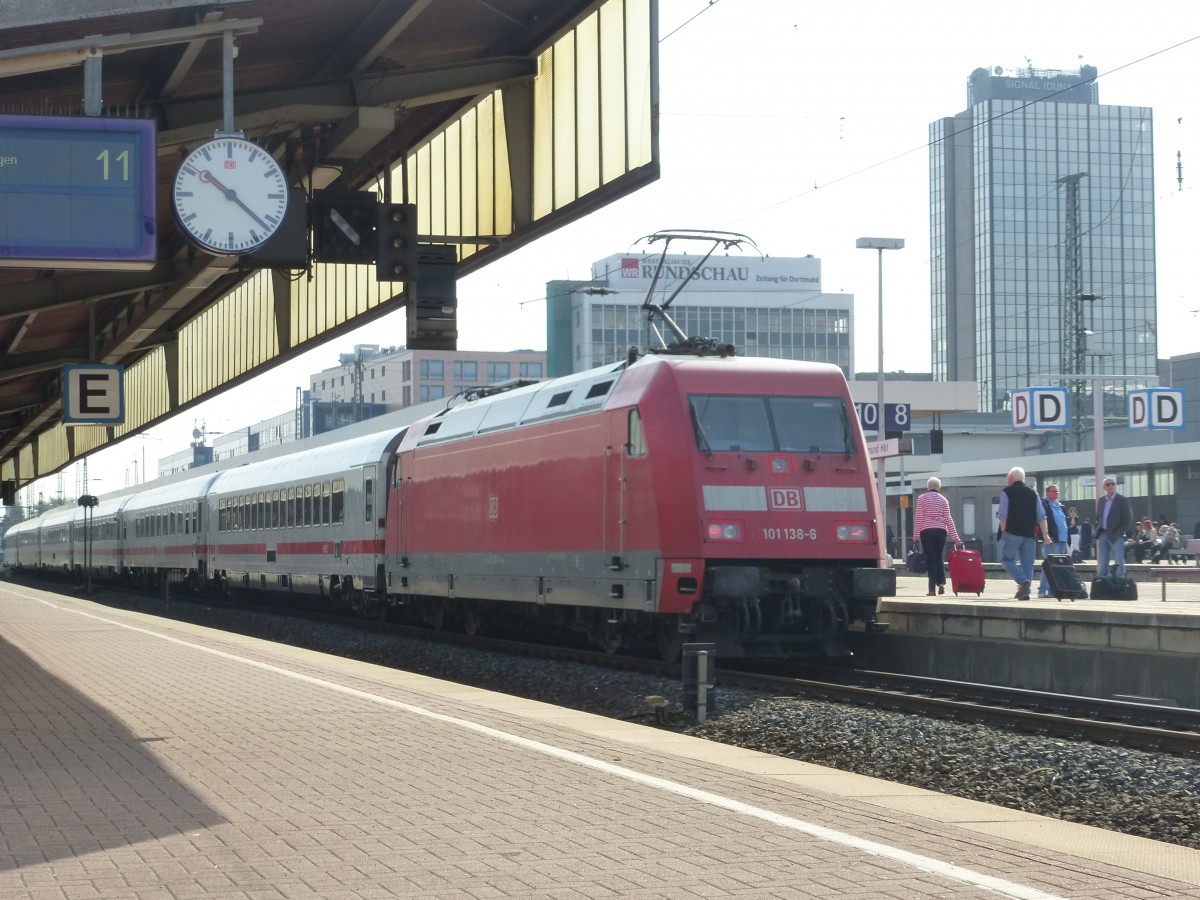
[[933, 511]]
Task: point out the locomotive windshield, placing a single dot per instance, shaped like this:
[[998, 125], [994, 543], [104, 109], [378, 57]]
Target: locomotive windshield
[[760, 423]]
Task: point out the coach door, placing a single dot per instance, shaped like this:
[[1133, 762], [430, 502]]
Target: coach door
[[372, 513]]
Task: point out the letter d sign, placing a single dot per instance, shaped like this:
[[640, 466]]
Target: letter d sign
[[1021, 410], [1156, 408], [1040, 409]]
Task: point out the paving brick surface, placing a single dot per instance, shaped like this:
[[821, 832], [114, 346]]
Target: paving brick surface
[[149, 759]]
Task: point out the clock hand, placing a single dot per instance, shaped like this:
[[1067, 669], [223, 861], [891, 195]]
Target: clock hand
[[230, 194]]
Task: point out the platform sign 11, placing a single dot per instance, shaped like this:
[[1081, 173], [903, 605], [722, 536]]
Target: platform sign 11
[[896, 416], [78, 192]]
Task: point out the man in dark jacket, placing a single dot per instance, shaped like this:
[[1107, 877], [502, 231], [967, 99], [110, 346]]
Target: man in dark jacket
[[1021, 516], [1114, 517]]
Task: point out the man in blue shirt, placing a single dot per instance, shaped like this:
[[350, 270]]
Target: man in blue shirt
[[1056, 528], [1020, 514]]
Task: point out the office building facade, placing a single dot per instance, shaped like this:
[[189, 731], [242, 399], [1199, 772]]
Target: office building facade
[[770, 307], [1010, 252]]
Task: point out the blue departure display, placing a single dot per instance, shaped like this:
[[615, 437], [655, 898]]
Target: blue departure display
[[77, 192]]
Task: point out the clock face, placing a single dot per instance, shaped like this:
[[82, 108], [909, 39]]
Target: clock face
[[230, 196]]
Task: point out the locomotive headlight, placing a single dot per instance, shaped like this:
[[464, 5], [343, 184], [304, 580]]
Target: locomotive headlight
[[724, 531], [853, 533]]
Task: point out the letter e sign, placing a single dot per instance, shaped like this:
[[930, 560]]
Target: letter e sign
[[93, 395]]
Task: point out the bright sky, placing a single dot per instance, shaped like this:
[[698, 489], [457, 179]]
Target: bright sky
[[805, 126]]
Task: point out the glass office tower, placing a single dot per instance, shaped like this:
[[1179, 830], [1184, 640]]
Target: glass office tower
[[1003, 236]]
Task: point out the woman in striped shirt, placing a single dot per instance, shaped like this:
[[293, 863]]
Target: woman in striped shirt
[[933, 525]]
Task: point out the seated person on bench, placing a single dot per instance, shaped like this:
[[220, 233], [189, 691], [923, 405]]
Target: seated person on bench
[[1168, 538], [1144, 540]]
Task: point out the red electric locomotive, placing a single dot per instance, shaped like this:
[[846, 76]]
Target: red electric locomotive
[[670, 499], [687, 496]]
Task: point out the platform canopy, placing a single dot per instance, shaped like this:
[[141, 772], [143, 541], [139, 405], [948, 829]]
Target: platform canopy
[[500, 120]]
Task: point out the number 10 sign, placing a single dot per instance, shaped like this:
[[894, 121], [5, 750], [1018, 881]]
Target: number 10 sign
[[896, 416]]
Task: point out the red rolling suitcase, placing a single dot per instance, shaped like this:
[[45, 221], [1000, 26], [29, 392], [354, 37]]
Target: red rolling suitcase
[[966, 572]]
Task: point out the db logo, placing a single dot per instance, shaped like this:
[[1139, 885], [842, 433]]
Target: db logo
[[785, 498], [231, 163]]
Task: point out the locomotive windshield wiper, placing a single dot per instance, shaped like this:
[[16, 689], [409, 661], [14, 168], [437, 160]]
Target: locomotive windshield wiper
[[847, 434], [701, 437]]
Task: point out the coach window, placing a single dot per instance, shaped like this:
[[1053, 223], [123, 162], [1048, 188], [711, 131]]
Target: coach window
[[308, 517], [369, 499], [274, 509], [263, 512], [196, 517], [326, 505], [637, 438], [339, 499]]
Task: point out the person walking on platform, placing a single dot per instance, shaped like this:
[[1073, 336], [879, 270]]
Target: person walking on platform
[[1114, 517], [1056, 527], [1021, 514], [933, 524]]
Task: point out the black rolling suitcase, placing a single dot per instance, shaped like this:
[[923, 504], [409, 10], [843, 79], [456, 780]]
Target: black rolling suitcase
[[1063, 579], [1112, 587]]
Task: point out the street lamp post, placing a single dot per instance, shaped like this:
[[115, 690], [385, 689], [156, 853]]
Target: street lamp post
[[879, 244]]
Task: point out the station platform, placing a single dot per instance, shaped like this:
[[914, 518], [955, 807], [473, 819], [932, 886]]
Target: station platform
[[148, 758], [1161, 619], [1146, 649]]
